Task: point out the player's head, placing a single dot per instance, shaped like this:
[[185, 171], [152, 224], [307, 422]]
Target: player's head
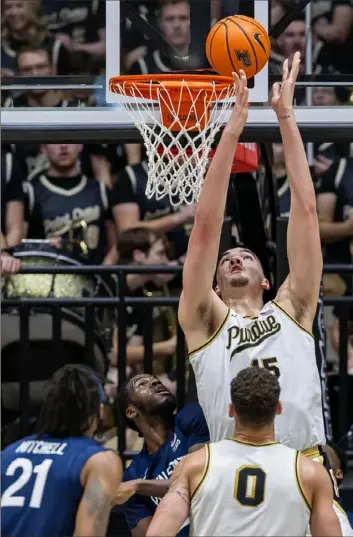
[[337, 458], [255, 398], [144, 399], [239, 274], [73, 404], [62, 157]]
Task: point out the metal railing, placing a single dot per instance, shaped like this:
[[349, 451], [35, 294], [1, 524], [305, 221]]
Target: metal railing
[[120, 303]]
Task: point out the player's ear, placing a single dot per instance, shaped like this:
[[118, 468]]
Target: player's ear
[[217, 290], [231, 411], [265, 284], [279, 408], [131, 412]]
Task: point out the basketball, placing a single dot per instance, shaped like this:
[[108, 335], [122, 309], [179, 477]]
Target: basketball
[[236, 43]]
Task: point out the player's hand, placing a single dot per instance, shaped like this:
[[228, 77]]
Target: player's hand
[[282, 95], [9, 265], [125, 491], [239, 114]]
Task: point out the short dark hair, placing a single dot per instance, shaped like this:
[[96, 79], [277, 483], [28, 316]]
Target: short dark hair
[[341, 455], [132, 239], [255, 395], [73, 398], [163, 3], [33, 49]]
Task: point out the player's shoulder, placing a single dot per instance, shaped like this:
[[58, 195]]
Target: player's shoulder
[[188, 414], [105, 461], [11, 448]]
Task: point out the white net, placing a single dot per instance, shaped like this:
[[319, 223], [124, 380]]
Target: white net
[[177, 155]]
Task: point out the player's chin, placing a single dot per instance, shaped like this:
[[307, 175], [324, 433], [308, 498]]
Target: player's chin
[[239, 280]]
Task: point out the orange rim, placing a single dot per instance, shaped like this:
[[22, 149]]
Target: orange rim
[[172, 82], [190, 97]]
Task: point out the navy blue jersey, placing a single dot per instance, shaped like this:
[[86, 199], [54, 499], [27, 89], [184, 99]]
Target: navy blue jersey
[[54, 206], [40, 485], [190, 428]]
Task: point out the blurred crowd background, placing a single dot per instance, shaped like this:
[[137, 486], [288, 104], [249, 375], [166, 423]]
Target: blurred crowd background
[[87, 201]]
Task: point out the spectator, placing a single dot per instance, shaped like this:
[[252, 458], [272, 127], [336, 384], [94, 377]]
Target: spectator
[[79, 26], [144, 247], [11, 199], [173, 18], [335, 207], [8, 265], [22, 25], [335, 337], [36, 61], [62, 203], [132, 208]]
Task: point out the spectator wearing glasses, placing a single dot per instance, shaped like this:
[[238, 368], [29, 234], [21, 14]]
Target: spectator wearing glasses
[[22, 25]]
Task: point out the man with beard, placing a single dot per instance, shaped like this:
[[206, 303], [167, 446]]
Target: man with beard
[[149, 408]]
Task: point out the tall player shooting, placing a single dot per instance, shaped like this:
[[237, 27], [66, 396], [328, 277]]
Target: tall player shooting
[[60, 481], [234, 487], [229, 328]]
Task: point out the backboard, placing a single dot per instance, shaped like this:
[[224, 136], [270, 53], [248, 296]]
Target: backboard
[[173, 22]]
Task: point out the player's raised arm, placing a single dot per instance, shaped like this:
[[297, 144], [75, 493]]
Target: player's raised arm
[[201, 258], [100, 477], [174, 508], [299, 294]]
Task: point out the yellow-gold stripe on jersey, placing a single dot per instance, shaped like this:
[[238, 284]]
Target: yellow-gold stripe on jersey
[[292, 319], [210, 339], [204, 473], [253, 444], [313, 453], [300, 486]]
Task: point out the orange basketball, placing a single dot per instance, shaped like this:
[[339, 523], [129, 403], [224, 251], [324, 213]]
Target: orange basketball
[[236, 43]]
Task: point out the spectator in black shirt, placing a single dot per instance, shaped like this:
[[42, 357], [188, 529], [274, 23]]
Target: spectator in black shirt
[[335, 207], [80, 26], [12, 178], [132, 208], [173, 18], [67, 207], [22, 25]]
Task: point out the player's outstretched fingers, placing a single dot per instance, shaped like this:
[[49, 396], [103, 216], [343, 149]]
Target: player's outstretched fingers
[[285, 70], [295, 67]]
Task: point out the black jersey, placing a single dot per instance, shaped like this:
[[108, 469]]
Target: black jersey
[[130, 187], [75, 207], [12, 178], [80, 20]]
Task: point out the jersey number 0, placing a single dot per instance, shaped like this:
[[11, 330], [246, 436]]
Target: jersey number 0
[[9, 497], [249, 486]]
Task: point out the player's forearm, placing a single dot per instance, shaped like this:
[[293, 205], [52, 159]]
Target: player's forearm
[[334, 231], [170, 515], [299, 176], [153, 487], [135, 353], [211, 206], [164, 224]]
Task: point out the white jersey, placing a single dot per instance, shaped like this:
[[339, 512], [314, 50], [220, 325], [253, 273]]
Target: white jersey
[[272, 340], [249, 490]]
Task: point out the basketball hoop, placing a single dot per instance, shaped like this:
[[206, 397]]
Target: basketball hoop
[[178, 141]]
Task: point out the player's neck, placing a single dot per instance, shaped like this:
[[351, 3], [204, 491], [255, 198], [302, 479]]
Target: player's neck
[[261, 435], [155, 434], [246, 305]]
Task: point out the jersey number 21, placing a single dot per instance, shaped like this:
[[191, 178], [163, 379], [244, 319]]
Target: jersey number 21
[[9, 497]]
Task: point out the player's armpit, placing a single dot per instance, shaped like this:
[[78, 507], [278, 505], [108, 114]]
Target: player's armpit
[[100, 477], [173, 510], [323, 520]]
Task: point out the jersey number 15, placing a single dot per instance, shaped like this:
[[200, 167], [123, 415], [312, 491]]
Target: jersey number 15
[[271, 364], [9, 497]]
